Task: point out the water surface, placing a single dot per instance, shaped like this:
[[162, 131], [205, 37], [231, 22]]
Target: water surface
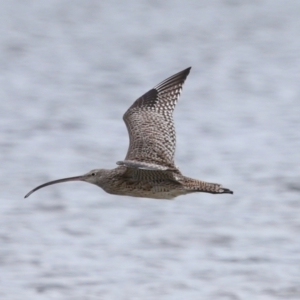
[[69, 70]]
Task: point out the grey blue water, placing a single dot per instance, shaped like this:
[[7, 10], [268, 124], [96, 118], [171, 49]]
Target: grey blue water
[[70, 69]]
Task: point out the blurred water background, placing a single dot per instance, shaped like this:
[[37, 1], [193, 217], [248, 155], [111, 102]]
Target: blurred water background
[[70, 69]]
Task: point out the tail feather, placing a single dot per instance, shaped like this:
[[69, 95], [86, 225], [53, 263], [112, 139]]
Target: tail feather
[[193, 185]]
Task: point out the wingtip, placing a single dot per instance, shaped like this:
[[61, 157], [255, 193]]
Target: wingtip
[[187, 69]]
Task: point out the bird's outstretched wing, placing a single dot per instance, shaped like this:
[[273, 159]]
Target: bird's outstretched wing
[[150, 126]]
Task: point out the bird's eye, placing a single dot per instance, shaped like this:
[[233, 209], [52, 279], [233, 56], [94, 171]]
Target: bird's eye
[[93, 174]]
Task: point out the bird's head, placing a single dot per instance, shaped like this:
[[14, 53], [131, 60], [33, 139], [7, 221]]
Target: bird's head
[[94, 176]]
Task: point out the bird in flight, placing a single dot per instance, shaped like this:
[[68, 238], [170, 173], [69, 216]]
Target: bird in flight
[[148, 169]]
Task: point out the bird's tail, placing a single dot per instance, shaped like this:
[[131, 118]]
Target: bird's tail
[[194, 185]]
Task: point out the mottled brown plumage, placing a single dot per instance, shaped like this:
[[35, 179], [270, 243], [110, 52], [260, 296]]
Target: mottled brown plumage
[[149, 170]]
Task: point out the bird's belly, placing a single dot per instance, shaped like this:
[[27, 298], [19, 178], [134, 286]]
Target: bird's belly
[[155, 190]]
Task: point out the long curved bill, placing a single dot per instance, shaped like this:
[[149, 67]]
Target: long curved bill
[[76, 178]]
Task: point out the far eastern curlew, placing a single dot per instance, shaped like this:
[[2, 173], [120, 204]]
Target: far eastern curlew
[[149, 170]]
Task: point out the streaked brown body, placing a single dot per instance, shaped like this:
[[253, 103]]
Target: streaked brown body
[[152, 184], [149, 170]]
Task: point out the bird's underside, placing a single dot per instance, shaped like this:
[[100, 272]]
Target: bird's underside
[[148, 169], [157, 184]]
